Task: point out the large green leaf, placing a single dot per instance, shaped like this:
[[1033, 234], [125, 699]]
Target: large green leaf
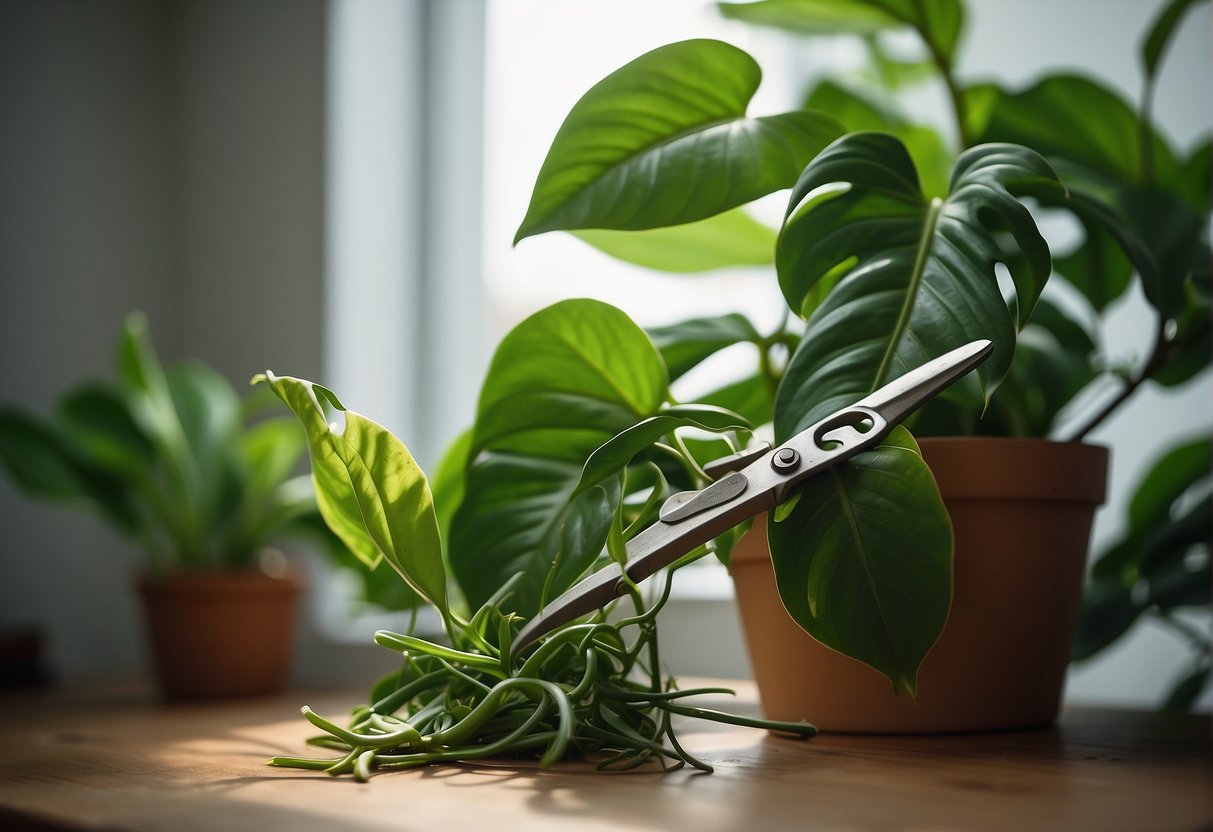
[[686, 344], [751, 398], [579, 367], [665, 140], [1074, 118], [864, 561], [562, 383], [520, 518], [368, 488], [914, 277], [733, 238]]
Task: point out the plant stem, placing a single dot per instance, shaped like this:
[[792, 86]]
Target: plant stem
[[1161, 342]]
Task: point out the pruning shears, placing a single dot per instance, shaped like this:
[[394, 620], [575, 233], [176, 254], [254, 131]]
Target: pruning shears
[[753, 481]]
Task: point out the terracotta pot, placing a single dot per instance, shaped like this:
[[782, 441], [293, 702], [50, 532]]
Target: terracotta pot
[[224, 634], [1021, 510]]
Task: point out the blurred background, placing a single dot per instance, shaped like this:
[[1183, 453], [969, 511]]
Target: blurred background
[[329, 188]]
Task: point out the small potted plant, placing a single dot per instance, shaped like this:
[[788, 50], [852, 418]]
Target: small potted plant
[[163, 455], [891, 260]]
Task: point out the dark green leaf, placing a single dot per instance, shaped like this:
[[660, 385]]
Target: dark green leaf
[[923, 279], [1168, 479], [97, 424], [562, 383], [864, 561], [1107, 612], [36, 460], [1077, 119], [369, 490], [687, 343], [733, 238], [616, 453], [1178, 586], [751, 398], [665, 140], [520, 517], [930, 153]]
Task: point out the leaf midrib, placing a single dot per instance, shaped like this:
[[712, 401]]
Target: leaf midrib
[[931, 223]]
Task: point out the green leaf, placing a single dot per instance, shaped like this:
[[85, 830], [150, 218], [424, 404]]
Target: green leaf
[[812, 17], [923, 279], [665, 140], [368, 488], [520, 518], [562, 383], [579, 368], [1054, 361], [97, 423], [449, 483], [1075, 118], [750, 398], [1107, 613], [35, 459], [864, 561], [615, 454], [733, 238], [1159, 37], [686, 344], [1168, 479], [931, 155], [40, 462]]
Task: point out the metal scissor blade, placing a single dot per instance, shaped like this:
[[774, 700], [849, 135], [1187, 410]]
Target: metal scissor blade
[[902, 396], [761, 485], [592, 592]]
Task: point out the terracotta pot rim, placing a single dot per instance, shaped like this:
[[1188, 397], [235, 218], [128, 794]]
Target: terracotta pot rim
[[220, 581], [1009, 440]]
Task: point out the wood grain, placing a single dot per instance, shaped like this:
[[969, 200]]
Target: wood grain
[[113, 758]]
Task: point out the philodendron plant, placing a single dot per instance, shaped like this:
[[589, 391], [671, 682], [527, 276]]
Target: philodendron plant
[[576, 443], [888, 251]]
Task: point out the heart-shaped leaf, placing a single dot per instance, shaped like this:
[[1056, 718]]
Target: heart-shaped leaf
[[665, 140], [368, 488], [913, 278], [864, 561], [561, 384]]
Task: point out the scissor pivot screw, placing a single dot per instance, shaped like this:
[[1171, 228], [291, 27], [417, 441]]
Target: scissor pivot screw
[[786, 459]]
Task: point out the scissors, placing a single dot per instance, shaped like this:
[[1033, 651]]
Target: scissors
[[753, 481]]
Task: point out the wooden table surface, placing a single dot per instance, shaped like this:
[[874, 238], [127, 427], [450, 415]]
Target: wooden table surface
[[113, 758]]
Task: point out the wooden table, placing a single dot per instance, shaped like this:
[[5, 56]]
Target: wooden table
[[115, 759]]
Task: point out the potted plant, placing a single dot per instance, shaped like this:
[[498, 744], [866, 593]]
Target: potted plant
[[163, 455], [892, 261]]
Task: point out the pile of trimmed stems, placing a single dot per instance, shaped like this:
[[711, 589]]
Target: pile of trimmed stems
[[593, 690]]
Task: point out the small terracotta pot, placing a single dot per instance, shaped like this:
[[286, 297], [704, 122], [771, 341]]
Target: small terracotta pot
[[1021, 511], [222, 634]]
